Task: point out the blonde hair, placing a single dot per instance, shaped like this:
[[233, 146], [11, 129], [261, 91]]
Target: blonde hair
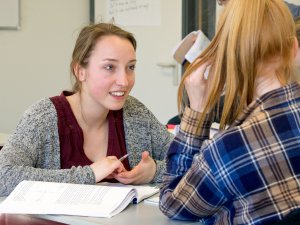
[[297, 24], [86, 41], [249, 33]]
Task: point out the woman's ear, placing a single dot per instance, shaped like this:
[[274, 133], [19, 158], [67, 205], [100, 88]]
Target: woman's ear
[[80, 72]]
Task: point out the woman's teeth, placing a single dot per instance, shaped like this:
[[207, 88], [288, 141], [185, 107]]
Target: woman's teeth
[[118, 93]]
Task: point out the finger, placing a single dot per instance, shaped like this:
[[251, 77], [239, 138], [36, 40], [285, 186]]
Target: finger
[[126, 177], [202, 69], [121, 169], [145, 155], [117, 165], [111, 176], [112, 157], [124, 180], [128, 174]]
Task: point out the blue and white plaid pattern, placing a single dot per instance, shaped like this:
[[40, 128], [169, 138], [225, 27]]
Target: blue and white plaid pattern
[[246, 174]]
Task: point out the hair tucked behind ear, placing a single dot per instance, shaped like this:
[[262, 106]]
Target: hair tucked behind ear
[[249, 34]]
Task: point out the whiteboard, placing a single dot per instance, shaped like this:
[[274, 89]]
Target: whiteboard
[[9, 14], [128, 12]]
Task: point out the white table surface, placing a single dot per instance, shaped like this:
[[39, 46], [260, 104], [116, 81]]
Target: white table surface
[[134, 214]]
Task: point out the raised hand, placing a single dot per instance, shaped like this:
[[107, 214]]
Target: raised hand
[[196, 85], [106, 167], [143, 173]]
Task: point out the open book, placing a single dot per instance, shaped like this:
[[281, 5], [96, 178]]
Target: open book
[[104, 200]]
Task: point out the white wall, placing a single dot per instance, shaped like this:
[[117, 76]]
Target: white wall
[[156, 86], [34, 61], [296, 2]]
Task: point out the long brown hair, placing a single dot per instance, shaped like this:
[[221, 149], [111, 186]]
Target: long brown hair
[[249, 34], [86, 42]]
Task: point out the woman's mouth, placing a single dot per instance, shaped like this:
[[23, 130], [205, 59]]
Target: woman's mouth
[[117, 93]]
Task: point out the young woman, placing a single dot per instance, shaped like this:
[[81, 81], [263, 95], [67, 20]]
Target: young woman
[[79, 136], [249, 172]]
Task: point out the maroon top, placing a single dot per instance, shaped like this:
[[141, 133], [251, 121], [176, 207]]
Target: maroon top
[[71, 135]]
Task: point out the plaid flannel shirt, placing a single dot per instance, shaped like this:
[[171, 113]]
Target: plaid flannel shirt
[[246, 174]]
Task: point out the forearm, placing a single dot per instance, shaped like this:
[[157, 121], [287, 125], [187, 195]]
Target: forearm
[[187, 142], [17, 164], [181, 177], [11, 176]]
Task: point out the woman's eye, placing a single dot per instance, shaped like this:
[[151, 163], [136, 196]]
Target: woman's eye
[[132, 67], [109, 67]]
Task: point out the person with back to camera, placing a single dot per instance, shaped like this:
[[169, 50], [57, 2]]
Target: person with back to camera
[[295, 10], [79, 136], [248, 173]]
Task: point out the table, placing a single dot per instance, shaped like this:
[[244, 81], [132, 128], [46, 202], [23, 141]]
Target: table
[[21, 219], [139, 214]]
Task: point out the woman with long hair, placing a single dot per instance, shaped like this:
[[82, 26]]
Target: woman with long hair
[[248, 173]]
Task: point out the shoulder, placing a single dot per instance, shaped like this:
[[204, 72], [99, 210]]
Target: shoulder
[[43, 106], [134, 107], [138, 117], [38, 123], [39, 111], [136, 114], [132, 102], [295, 9]]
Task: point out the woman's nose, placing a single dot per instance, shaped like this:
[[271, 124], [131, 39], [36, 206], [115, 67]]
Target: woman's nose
[[122, 79]]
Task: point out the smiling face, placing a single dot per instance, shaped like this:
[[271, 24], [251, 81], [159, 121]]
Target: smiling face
[[109, 75]]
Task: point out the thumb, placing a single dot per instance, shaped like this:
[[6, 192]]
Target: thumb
[[145, 155], [121, 169]]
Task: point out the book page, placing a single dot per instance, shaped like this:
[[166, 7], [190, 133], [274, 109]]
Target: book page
[[143, 191], [34, 197], [153, 200]]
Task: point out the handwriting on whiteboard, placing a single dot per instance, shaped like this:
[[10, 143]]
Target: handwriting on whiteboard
[[134, 12]]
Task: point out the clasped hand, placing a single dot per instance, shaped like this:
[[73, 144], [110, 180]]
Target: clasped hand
[[111, 167], [196, 86]]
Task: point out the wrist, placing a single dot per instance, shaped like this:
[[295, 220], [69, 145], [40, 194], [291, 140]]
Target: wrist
[[197, 106], [153, 172]]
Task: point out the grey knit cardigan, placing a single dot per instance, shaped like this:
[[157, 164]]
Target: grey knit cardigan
[[32, 152]]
